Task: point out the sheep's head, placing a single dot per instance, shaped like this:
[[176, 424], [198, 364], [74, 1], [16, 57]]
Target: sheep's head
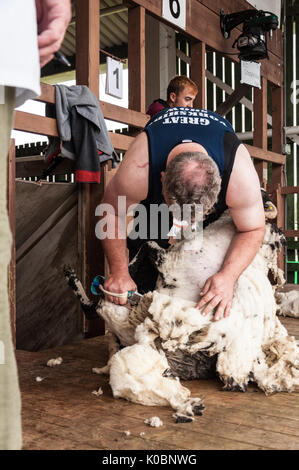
[[269, 207]]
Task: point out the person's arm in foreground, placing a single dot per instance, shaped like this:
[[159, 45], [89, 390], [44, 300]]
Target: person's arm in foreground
[[53, 17], [131, 181], [245, 205]]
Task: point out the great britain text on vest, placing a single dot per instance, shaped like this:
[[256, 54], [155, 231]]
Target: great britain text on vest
[[180, 116]]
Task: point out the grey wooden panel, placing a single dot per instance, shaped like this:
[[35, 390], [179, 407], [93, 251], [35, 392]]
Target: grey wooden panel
[[35, 202], [47, 311]]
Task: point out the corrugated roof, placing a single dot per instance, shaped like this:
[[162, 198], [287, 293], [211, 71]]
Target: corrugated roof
[[113, 28]]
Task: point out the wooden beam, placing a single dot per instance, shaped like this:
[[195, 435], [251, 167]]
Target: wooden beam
[[261, 154], [28, 122], [120, 141], [136, 58], [278, 178], [126, 116], [291, 233], [88, 44], [110, 111], [277, 119], [198, 72], [260, 127], [11, 208], [260, 115], [277, 132], [290, 190], [32, 168], [208, 30], [232, 100], [42, 125], [48, 93], [87, 73]]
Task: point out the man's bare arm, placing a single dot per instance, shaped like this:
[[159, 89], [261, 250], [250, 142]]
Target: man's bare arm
[[245, 204], [130, 181]]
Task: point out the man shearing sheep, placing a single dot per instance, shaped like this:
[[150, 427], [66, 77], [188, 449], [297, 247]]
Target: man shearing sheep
[[182, 156]]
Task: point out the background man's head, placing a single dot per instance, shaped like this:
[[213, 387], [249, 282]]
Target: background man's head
[[181, 91], [192, 178]]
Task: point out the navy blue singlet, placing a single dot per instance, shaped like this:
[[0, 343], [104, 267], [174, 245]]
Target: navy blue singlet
[[173, 126]]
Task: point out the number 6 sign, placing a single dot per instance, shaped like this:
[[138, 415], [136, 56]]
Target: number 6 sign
[[175, 12]]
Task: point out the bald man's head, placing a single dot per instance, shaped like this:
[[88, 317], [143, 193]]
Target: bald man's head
[[192, 178]]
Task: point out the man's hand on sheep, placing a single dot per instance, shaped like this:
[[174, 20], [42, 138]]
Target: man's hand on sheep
[[119, 283], [217, 292], [247, 211]]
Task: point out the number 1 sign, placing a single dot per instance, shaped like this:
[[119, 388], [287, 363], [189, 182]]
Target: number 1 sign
[[175, 12], [114, 78]]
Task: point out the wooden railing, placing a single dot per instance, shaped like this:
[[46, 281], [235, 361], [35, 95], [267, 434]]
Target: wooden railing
[[43, 125]]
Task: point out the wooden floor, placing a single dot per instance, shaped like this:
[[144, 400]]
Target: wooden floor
[[62, 413]]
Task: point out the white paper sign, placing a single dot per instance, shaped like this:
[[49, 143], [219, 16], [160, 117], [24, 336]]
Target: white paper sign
[[251, 73], [114, 78], [175, 12]]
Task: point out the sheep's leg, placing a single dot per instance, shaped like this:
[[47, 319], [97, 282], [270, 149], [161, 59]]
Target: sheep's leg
[[192, 407], [113, 348], [235, 364], [89, 308], [149, 251], [144, 268]]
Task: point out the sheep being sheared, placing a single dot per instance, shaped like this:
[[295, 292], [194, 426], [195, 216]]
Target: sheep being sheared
[[241, 340], [148, 381], [250, 344]]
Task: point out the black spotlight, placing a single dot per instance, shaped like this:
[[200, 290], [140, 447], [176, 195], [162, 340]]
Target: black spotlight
[[252, 42]]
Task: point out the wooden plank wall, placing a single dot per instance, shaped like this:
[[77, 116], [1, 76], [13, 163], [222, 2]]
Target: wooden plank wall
[[47, 313]]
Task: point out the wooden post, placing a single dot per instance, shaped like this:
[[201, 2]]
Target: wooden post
[[232, 100], [88, 44], [90, 195], [11, 208], [278, 170], [198, 72], [277, 132], [136, 58], [260, 127]]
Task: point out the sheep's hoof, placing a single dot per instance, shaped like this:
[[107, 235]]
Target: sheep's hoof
[[232, 386], [180, 418], [198, 409]]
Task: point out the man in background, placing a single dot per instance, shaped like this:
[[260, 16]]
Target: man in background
[[30, 33], [181, 91]]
